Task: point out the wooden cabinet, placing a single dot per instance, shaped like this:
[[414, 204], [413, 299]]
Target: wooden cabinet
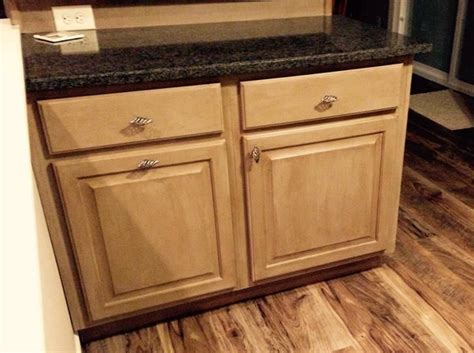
[[145, 237], [190, 220], [317, 194]]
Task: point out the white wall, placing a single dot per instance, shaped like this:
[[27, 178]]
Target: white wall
[[33, 312]]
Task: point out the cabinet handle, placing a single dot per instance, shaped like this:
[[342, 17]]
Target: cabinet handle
[[141, 121], [148, 163], [326, 103], [329, 99], [256, 153]]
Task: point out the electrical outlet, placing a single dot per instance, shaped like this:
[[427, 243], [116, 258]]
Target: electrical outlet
[[72, 18], [88, 44]]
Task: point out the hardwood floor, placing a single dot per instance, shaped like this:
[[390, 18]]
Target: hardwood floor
[[420, 300]]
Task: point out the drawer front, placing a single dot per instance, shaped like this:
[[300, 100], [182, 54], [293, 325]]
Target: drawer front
[[106, 120], [296, 99]]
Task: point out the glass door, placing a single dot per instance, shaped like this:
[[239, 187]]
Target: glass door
[[448, 25]]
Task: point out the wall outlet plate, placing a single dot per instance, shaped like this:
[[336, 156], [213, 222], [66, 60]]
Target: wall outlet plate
[[72, 18], [88, 44]]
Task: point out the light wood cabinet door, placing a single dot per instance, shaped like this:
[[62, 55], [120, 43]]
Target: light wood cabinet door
[[320, 194], [147, 237]]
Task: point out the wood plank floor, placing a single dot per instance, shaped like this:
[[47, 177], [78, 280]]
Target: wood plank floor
[[420, 300]]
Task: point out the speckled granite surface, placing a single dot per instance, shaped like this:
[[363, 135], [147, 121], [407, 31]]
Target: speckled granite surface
[[210, 50]]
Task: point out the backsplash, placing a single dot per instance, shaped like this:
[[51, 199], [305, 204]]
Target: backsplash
[[38, 5], [35, 16]]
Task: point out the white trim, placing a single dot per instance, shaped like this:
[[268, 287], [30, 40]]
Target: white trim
[[442, 78], [393, 15], [431, 73], [460, 18], [399, 15], [453, 80], [462, 86]]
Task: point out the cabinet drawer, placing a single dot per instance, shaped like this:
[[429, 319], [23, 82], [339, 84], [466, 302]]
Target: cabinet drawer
[[132, 228], [296, 99], [106, 120]]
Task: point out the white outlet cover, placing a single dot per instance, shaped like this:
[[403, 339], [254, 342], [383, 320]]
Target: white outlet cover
[[72, 18], [88, 44]]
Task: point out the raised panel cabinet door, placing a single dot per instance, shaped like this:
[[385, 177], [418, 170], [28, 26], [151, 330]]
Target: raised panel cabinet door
[[319, 194], [145, 237]]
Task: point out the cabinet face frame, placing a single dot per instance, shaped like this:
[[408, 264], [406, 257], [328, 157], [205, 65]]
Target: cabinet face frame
[[378, 131], [81, 180]]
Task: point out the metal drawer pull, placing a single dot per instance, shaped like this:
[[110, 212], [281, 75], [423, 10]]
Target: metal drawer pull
[[141, 121], [329, 99], [326, 103], [148, 163], [256, 153]]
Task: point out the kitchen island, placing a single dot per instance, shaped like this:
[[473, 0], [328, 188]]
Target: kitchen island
[[187, 167]]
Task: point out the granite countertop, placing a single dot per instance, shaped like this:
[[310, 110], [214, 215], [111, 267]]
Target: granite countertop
[[167, 53]]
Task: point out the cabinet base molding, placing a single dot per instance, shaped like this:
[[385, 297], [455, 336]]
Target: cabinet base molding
[[93, 333]]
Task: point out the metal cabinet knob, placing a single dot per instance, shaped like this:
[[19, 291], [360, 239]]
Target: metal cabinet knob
[[141, 121], [256, 153], [148, 163]]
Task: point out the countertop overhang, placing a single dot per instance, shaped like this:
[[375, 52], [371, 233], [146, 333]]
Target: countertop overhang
[[157, 54]]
